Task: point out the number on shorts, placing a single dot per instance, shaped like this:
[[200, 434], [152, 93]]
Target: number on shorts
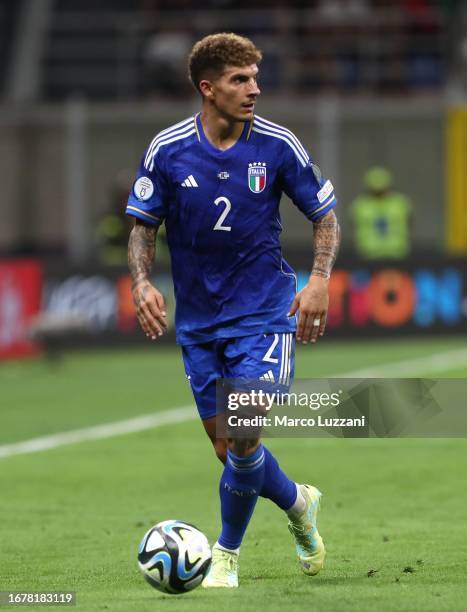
[[270, 351]]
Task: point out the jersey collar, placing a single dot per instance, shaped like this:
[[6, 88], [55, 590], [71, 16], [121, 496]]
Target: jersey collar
[[244, 136]]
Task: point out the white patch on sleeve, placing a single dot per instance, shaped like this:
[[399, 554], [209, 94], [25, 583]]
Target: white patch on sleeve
[[143, 188], [325, 191]]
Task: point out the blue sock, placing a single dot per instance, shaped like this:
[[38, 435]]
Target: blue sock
[[277, 487], [241, 482]]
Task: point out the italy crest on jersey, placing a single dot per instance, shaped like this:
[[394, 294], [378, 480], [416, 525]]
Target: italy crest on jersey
[[257, 176]]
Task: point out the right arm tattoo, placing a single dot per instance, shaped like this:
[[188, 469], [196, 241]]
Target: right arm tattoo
[[141, 248]]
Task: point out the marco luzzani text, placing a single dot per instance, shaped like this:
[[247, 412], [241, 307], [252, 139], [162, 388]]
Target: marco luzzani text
[[264, 402]]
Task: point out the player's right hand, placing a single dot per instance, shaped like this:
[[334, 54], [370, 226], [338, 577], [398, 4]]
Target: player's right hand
[[150, 309]]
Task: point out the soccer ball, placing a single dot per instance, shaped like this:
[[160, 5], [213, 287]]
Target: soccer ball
[[174, 557]]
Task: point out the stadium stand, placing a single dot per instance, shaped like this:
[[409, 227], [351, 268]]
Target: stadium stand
[[9, 11], [121, 49]]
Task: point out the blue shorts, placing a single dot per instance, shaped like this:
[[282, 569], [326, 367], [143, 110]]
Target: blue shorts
[[269, 357]]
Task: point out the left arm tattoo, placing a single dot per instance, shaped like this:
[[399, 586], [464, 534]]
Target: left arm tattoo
[[326, 240]]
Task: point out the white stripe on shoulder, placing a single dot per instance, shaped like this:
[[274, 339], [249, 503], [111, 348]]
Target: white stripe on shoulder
[[163, 133], [286, 139], [180, 124], [162, 139], [165, 142], [280, 128]]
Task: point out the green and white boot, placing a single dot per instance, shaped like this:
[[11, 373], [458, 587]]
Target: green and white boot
[[223, 572], [308, 542]]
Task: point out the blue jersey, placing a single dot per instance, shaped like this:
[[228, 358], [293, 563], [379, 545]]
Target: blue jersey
[[221, 210]]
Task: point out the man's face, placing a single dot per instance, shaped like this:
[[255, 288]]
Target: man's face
[[234, 93]]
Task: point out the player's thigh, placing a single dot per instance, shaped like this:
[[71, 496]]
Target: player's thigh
[[203, 368], [266, 357], [269, 357]]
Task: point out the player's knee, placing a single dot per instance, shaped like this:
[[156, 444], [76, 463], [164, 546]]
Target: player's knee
[[220, 448], [242, 447]]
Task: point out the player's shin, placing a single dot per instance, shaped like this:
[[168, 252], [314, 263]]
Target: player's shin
[[279, 488], [241, 482]]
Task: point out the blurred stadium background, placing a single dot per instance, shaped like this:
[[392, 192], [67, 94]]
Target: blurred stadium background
[[84, 86]]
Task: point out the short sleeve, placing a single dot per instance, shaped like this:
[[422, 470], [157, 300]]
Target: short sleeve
[[303, 182], [148, 199]]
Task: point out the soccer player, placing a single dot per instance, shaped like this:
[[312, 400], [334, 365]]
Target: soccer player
[[216, 180]]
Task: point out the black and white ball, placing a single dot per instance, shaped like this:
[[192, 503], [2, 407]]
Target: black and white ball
[[174, 557]]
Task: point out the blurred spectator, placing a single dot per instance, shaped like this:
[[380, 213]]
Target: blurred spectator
[[381, 218], [341, 11], [463, 55], [165, 61], [113, 229], [425, 69]]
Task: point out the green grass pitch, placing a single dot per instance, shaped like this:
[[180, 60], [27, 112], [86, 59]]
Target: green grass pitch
[[393, 514]]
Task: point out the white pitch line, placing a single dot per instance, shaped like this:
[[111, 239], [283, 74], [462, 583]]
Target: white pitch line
[[100, 432], [403, 369], [411, 368]]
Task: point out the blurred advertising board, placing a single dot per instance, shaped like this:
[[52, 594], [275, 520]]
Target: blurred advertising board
[[383, 299], [93, 306], [20, 303], [391, 299]]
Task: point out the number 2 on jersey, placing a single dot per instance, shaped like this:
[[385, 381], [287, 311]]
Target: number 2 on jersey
[[225, 212]]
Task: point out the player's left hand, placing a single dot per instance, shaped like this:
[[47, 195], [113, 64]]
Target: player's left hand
[[312, 302]]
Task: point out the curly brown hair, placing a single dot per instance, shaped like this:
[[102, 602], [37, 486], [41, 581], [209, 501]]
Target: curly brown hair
[[212, 53]]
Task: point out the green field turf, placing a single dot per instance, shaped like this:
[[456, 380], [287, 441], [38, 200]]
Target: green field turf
[[393, 515]]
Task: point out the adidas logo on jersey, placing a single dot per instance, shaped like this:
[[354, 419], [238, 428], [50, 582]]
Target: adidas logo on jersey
[[268, 376], [190, 182]]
